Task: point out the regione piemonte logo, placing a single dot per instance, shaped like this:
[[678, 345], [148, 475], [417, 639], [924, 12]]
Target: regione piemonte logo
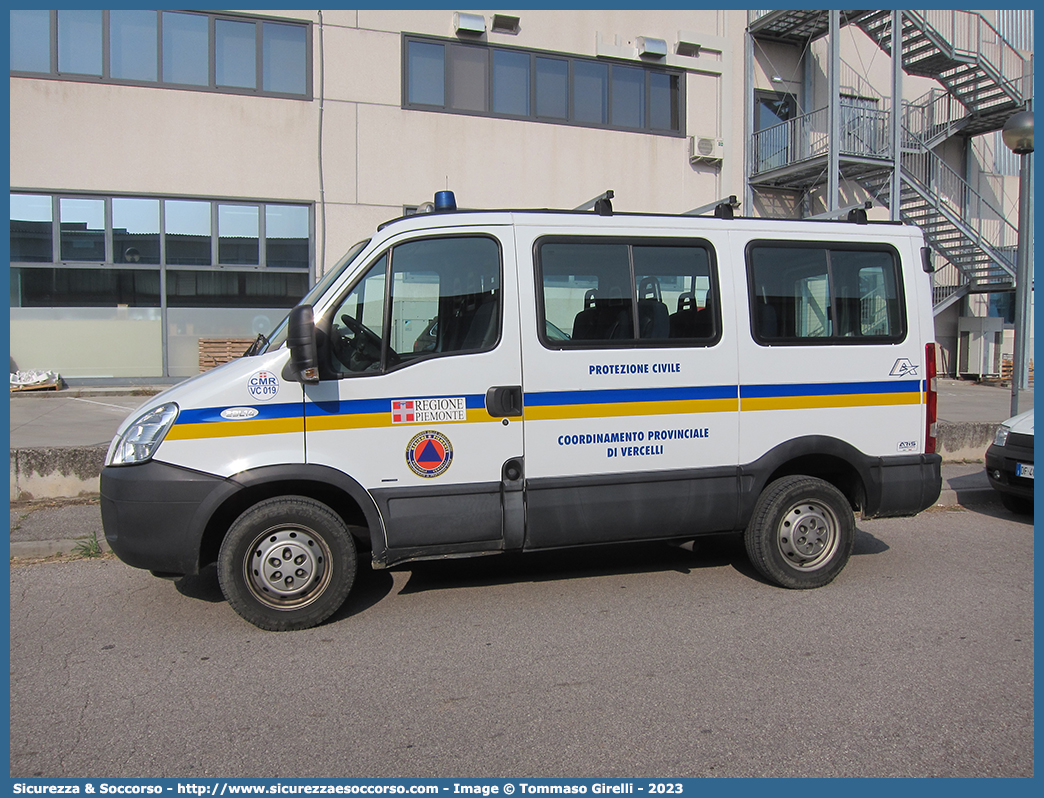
[[429, 454], [429, 411]]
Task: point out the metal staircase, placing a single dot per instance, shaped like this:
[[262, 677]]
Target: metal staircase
[[982, 76], [964, 53], [974, 237]]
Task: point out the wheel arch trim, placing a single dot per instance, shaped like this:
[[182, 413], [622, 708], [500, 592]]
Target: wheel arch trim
[[758, 474], [215, 510]]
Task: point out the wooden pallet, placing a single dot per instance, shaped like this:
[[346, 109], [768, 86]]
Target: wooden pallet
[[215, 351], [1007, 366], [43, 386]]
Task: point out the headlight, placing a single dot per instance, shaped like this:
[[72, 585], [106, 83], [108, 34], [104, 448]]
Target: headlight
[[140, 439], [1002, 435]]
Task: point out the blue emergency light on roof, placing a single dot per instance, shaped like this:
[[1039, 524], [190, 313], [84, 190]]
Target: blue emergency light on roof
[[445, 201]]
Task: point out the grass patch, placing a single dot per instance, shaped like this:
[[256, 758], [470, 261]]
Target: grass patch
[[89, 548]]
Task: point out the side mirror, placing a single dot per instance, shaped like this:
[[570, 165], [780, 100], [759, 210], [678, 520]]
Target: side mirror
[[300, 338]]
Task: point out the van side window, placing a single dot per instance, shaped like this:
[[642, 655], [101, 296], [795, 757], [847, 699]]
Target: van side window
[[613, 292], [814, 293], [423, 298]]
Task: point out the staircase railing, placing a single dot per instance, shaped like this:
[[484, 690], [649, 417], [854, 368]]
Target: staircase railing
[[967, 34], [947, 280], [953, 196], [931, 114], [864, 133]]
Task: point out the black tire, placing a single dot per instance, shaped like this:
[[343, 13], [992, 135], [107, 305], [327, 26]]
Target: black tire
[[287, 563], [822, 518]]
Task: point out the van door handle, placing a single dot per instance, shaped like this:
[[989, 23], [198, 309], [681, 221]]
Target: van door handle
[[504, 400]]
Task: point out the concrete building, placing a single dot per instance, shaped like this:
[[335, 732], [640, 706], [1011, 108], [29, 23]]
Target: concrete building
[[184, 176]]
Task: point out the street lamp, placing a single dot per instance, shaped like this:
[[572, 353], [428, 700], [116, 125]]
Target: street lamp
[[1018, 136]]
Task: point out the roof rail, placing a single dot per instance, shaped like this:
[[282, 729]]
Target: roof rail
[[855, 213], [601, 204], [731, 201]]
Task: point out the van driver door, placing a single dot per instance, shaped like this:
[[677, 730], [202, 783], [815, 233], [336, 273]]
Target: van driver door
[[420, 394]]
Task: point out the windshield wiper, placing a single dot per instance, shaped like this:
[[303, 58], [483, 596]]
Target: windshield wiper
[[256, 347]]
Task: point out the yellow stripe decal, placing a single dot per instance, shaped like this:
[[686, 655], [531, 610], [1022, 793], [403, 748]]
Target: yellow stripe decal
[[837, 400], [616, 409], [229, 429]]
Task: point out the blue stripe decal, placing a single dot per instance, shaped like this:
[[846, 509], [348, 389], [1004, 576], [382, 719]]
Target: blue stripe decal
[[828, 389], [613, 396], [211, 415]]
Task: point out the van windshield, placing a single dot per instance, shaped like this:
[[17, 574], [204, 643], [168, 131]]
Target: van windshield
[[278, 336]]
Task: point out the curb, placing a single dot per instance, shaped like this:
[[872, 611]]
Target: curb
[[48, 548], [966, 497], [75, 392], [56, 472]]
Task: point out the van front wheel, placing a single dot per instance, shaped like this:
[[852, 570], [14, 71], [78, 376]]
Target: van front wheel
[[287, 563], [801, 533]]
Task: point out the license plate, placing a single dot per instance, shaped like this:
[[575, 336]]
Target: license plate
[[1023, 470]]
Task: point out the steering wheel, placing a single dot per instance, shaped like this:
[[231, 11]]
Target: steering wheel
[[361, 352], [370, 338]]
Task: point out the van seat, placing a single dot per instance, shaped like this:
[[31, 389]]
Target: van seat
[[691, 321], [603, 320]]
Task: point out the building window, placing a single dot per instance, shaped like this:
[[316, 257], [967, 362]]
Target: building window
[[186, 52], [30, 41], [133, 45], [286, 235], [32, 230], [218, 254], [508, 82], [225, 289], [80, 42], [284, 52], [238, 230], [176, 49], [135, 230], [84, 288]]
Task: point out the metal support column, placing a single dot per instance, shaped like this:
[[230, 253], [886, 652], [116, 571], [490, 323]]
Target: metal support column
[[1023, 281], [748, 121], [896, 195], [834, 178]]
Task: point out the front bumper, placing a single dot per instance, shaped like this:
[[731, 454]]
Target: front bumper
[[154, 514], [1000, 468]]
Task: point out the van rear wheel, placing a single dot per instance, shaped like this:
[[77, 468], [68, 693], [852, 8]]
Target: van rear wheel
[[801, 533], [287, 563]]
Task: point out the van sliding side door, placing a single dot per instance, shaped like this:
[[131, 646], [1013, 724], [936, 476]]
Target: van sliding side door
[[631, 399]]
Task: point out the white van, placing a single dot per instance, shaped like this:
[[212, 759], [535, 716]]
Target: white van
[[466, 383]]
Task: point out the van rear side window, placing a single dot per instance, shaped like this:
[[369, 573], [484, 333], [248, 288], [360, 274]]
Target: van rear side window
[[824, 293], [614, 292]]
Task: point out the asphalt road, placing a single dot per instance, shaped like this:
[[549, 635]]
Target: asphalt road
[[636, 661]]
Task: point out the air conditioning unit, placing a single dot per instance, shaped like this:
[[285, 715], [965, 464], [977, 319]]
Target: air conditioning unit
[[706, 148]]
